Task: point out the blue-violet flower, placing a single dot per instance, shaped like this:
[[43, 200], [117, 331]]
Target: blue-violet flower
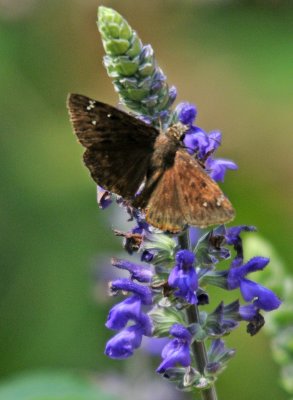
[[183, 276], [177, 351]]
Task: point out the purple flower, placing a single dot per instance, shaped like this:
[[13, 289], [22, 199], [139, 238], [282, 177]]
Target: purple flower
[[216, 168], [147, 256], [127, 285], [234, 312], [233, 234], [186, 113], [215, 140], [125, 342], [262, 297], [226, 318], [237, 274], [104, 197], [141, 273], [122, 313], [223, 319], [179, 331], [218, 355], [265, 299], [177, 350], [172, 95], [183, 276], [196, 141], [194, 235], [233, 238], [248, 312], [210, 247]]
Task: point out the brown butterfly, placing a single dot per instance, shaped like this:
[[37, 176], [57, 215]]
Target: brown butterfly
[[122, 152]]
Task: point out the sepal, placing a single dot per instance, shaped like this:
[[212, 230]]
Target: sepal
[[163, 318], [218, 357], [163, 248], [210, 248]]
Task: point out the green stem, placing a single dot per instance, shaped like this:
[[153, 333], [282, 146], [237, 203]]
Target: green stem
[[198, 348]]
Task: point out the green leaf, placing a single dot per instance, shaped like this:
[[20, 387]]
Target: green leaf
[[46, 385]]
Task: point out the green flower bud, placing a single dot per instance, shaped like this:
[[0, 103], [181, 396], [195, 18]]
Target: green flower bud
[[112, 25], [148, 93]]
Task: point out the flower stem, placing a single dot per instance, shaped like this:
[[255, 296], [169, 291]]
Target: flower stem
[[198, 348]]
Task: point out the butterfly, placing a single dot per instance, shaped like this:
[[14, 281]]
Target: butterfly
[[150, 169]]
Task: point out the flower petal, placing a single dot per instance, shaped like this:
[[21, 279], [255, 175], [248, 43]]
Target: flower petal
[[263, 298], [123, 344], [121, 313], [139, 272], [144, 292], [217, 167], [186, 113], [196, 140], [177, 353]]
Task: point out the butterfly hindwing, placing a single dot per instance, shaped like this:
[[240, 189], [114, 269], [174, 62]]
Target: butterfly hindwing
[[163, 209], [187, 195], [118, 146], [201, 199]]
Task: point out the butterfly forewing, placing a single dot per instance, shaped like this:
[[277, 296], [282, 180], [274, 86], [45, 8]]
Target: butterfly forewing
[[97, 124], [118, 146]]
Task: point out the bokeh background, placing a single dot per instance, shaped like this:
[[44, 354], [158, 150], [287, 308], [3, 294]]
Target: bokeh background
[[234, 60]]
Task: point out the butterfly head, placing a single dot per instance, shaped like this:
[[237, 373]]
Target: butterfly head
[[177, 131]]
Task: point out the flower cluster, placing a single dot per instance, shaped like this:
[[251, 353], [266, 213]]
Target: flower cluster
[[168, 287], [174, 280], [129, 338], [202, 144]]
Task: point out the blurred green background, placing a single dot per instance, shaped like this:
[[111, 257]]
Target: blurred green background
[[234, 60]]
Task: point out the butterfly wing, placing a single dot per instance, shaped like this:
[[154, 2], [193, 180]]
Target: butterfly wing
[[163, 209], [118, 146], [202, 201], [186, 195]]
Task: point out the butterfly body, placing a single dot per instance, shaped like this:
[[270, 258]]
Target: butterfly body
[[164, 152], [123, 152]]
